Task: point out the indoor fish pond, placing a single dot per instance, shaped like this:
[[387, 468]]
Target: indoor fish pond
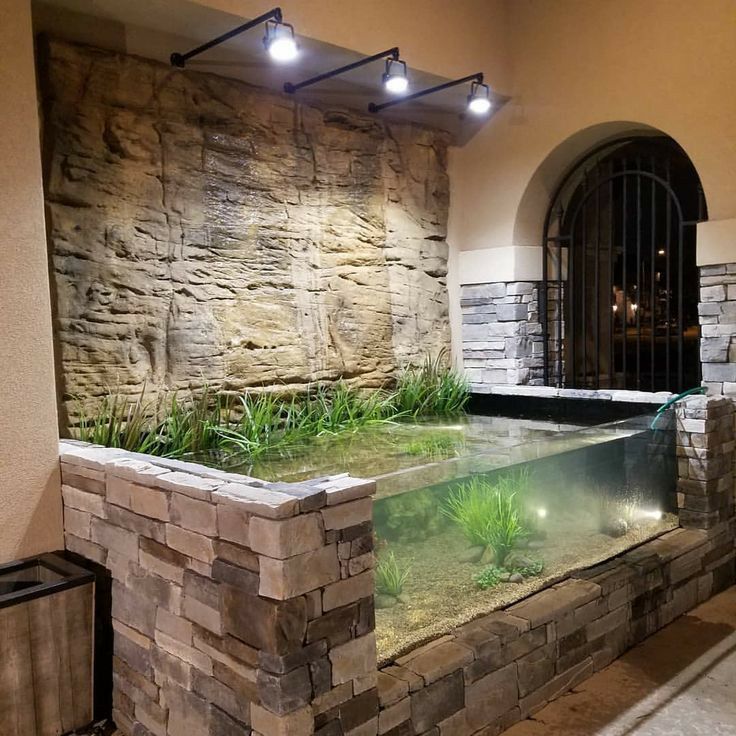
[[476, 512]]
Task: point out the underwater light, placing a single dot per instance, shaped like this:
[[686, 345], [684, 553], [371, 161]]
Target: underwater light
[[542, 513], [655, 515]]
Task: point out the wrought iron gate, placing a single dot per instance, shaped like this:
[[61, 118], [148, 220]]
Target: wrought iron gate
[[619, 299]]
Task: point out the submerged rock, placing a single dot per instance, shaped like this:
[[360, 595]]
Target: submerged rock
[[517, 577], [535, 544], [474, 554], [517, 559], [616, 528], [384, 600], [488, 558]]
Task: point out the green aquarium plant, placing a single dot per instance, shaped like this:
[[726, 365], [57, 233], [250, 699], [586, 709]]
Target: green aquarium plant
[[470, 506], [432, 388], [391, 575], [489, 513], [489, 578], [437, 447]]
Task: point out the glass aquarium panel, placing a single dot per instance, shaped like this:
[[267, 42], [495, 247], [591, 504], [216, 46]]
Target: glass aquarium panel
[[385, 448], [481, 531]]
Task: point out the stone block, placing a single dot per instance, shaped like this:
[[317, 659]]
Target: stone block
[[285, 693], [233, 524], [77, 523], [348, 514], [149, 502], [282, 538], [512, 312], [438, 701], [257, 501], [190, 543], [195, 515], [553, 603], [394, 715], [491, 697], [91, 503], [347, 591], [278, 627], [297, 723], [282, 579], [238, 577], [537, 668], [114, 538], [354, 658], [184, 652], [439, 661], [336, 626], [390, 689], [281, 664]]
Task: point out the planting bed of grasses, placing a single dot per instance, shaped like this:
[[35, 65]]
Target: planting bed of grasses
[[225, 426]]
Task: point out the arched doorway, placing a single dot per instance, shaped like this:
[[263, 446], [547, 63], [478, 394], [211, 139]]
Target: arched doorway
[[619, 299]]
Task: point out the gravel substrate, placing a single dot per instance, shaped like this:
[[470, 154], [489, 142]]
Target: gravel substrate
[[441, 595]]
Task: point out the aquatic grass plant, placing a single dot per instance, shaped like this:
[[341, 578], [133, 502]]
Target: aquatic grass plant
[[432, 388], [434, 448], [222, 425], [391, 575], [470, 506], [489, 513]]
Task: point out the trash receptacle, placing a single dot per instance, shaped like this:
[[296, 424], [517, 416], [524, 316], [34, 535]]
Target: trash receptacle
[[46, 646]]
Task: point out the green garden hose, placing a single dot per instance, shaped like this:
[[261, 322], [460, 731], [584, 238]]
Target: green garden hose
[[662, 409]]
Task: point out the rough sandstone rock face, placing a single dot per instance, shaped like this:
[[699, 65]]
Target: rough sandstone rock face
[[206, 231]]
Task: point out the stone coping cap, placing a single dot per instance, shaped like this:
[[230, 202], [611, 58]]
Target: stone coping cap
[[634, 397], [272, 500]]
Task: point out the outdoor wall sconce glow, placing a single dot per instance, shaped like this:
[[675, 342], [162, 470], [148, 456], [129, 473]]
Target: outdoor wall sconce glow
[[479, 99], [279, 39], [394, 79]]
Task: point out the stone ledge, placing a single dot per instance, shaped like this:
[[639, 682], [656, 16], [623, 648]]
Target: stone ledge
[[633, 397], [254, 496]]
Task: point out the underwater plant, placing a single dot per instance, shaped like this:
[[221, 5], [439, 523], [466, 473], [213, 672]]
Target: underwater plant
[[470, 506], [489, 578], [409, 516], [434, 448], [391, 575], [503, 528], [490, 513], [432, 388]]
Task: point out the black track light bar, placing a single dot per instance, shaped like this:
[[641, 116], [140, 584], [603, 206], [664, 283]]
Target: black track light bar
[[392, 53], [478, 77], [180, 60]]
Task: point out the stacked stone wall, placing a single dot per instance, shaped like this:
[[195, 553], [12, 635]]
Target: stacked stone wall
[[236, 605], [717, 316], [502, 339]]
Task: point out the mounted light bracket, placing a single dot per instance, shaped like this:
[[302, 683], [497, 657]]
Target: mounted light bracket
[[273, 16], [392, 54]]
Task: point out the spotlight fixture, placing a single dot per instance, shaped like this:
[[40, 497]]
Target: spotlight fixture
[[279, 40], [479, 99], [394, 79]]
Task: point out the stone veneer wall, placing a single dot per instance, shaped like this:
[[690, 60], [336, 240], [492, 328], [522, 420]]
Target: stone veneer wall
[[236, 604], [502, 340], [240, 605], [717, 310], [206, 231]]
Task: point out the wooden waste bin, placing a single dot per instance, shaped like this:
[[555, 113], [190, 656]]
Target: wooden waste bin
[[46, 646]]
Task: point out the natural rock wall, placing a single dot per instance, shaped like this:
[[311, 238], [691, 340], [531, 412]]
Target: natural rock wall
[[205, 231]]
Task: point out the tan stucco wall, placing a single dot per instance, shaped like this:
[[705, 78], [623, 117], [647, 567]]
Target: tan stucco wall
[[30, 501], [583, 72]]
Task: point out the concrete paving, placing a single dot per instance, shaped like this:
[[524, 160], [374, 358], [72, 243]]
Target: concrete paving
[[679, 682]]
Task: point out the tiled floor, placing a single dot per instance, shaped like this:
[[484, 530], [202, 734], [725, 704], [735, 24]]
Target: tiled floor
[[679, 682]]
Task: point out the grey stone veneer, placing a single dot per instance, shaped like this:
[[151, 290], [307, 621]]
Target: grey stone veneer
[[502, 337], [717, 310]]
